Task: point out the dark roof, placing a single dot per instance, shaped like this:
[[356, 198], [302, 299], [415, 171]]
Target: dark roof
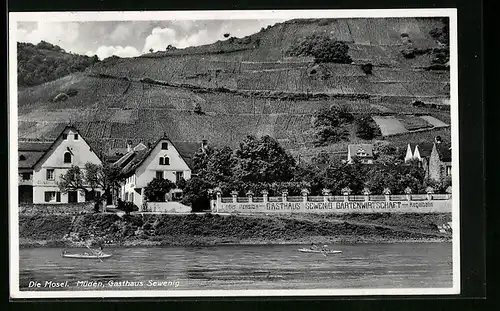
[[187, 151], [133, 159], [31, 152], [33, 146], [425, 149], [30, 158]]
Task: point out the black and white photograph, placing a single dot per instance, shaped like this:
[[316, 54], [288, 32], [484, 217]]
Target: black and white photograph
[[233, 153]]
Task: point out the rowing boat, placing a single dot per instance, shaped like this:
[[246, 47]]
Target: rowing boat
[[308, 250], [86, 256]]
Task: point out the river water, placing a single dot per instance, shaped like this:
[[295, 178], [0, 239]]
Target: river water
[[401, 265]]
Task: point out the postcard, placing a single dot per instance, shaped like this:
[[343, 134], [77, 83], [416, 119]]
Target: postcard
[[233, 153]]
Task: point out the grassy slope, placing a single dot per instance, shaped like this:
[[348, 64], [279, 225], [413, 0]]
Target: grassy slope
[[124, 106], [49, 230]]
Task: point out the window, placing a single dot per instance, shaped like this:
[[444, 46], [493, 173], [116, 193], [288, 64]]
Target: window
[[164, 160], [164, 146], [159, 174], [131, 197], [65, 136], [58, 197], [179, 176], [76, 136], [26, 176], [50, 196], [50, 174], [67, 157], [126, 196], [22, 158]]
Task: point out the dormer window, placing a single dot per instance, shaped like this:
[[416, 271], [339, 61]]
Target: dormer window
[[76, 136], [164, 146], [164, 160], [22, 158], [65, 136], [67, 157]]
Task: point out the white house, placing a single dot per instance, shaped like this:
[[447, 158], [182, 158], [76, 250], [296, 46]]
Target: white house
[[362, 152], [161, 159], [42, 164]]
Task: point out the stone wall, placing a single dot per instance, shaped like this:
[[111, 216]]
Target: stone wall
[[61, 209]]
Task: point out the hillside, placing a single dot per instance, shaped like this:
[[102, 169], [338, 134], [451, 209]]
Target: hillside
[[45, 62], [250, 86]]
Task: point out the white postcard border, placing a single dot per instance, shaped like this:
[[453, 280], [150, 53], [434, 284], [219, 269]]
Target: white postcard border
[[16, 17]]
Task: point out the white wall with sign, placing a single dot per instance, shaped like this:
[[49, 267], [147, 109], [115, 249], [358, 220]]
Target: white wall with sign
[[429, 206]]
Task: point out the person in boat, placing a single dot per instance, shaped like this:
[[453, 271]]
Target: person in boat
[[314, 247], [325, 248]]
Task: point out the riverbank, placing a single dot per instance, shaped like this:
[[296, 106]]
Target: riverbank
[[43, 230]]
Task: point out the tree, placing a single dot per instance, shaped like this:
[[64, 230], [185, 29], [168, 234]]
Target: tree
[[322, 48], [181, 183], [195, 194], [91, 178], [156, 190], [151, 50], [262, 160], [365, 127], [330, 124]]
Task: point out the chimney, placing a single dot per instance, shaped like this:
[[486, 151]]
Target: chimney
[[129, 145], [438, 140], [204, 144]]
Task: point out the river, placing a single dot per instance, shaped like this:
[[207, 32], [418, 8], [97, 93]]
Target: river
[[401, 265]]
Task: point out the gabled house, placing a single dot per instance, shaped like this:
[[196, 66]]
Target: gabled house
[[40, 166], [434, 158], [161, 159], [362, 152]]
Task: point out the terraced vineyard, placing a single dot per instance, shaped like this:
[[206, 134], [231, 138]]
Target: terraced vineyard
[[250, 89]]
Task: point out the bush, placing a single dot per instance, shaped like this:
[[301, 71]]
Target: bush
[[197, 108], [71, 92], [366, 127], [330, 124], [156, 190], [128, 207], [413, 52], [322, 48], [367, 68]]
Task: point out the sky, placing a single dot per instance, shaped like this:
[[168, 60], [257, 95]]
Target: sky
[[133, 38]]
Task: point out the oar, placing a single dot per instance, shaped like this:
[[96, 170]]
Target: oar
[[95, 253]]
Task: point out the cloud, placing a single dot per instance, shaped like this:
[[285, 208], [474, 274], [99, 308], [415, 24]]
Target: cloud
[[159, 39], [199, 38], [58, 33], [107, 51]]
